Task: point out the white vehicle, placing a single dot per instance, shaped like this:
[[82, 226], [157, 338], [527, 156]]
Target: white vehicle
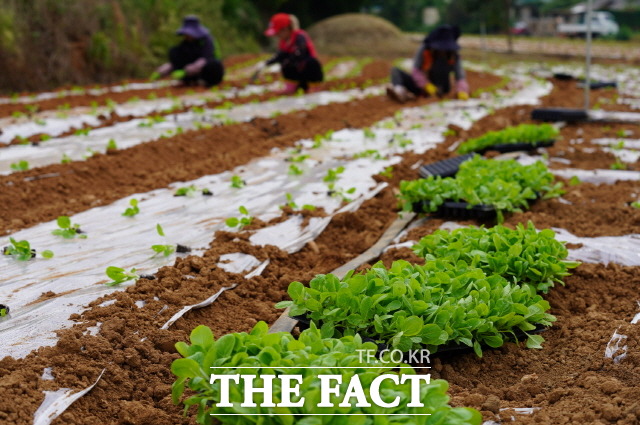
[[602, 23]]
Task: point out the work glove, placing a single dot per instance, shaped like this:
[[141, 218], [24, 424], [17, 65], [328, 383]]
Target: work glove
[[163, 70], [462, 88], [431, 89], [256, 73], [178, 74]]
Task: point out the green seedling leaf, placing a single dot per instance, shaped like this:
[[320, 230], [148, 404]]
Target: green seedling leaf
[[111, 145], [186, 191], [47, 254], [119, 275], [20, 250], [159, 229], [237, 182], [68, 230], [65, 159], [21, 165], [133, 209]]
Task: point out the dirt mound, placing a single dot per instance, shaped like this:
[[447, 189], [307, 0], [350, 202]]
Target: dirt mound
[[360, 34]]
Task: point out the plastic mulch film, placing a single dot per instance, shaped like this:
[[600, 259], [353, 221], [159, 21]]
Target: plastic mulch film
[[136, 131], [76, 273], [56, 402]]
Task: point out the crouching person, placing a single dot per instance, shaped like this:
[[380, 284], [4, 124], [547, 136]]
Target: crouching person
[[296, 54], [434, 62], [193, 60]]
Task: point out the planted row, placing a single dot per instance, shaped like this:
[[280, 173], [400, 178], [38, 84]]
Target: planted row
[[310, 355], [411, 306], [521, 255], [531, 134], [505, 185]]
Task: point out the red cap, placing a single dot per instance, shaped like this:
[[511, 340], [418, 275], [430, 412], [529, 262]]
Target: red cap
[[278, 21]]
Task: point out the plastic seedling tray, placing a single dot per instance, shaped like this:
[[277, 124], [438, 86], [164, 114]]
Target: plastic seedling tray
[[445, 168], [559, 114], [459, 210], [563, 76], [515, 147]]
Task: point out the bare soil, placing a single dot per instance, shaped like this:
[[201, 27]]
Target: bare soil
[[569, 379]]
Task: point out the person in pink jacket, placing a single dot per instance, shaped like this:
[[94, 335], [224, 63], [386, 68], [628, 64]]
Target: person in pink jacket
[[296, 54], [433, 64]]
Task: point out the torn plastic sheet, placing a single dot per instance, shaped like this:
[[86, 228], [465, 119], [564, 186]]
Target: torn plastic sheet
[[56, 402], [237, 262], [188, 308], [614, 349], [77, 270], [598, 176], [256, 272], [136, 131]]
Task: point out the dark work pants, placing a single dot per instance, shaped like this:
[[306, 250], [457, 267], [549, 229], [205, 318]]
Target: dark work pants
[[309, 72], [181, 56]]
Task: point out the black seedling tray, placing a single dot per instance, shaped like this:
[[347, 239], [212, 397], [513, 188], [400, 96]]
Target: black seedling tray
[[559, 114], [459, 210], [515, 147], [445, 168], [595, 85], [564, 77]]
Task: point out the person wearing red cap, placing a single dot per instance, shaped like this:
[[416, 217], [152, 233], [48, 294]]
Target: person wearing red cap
[[296, 54], [434, 61], [194, 59]]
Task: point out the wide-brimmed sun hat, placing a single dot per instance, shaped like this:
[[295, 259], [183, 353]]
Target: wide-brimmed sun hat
[[445, 37], [191, 26], [278, 22]]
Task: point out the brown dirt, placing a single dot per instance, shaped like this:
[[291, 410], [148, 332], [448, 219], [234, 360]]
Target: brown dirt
[[101, 179], [569, 379], [373, 72]]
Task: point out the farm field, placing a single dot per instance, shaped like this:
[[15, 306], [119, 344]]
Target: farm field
[[317, 180]]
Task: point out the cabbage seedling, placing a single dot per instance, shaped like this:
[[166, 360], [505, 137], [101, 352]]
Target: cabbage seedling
[[241, 222], [119, 275], [237, 182], [133, 210], [21, 250], [294, 170], [186, 191], [68, 230], [167, 250], [332, 174], [65, 159], [112, 145], [20, 165]]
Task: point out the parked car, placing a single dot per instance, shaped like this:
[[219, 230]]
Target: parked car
[[602, 24], [520, 28]]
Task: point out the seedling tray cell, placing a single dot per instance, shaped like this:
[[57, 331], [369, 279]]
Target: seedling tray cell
[[445, 168], [559, 114], [459, 210], [515, 147]]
